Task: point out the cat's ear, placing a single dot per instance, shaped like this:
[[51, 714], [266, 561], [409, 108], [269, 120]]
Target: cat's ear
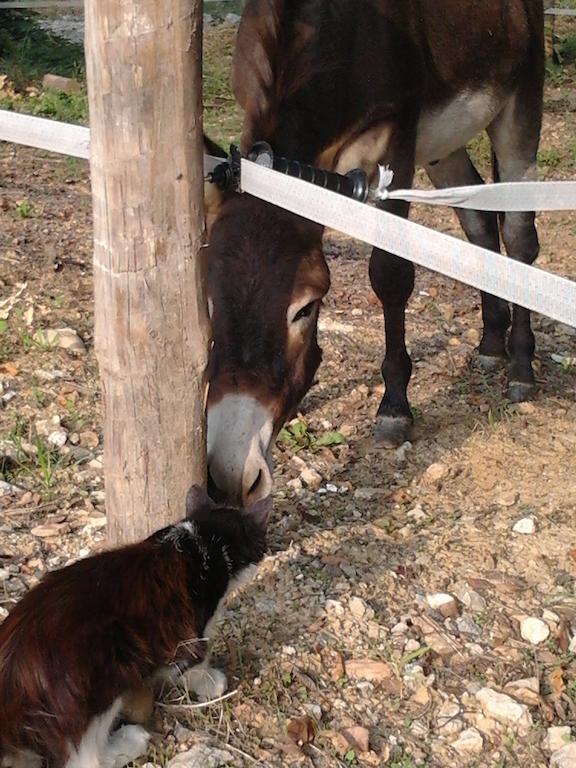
[[260, 511], [196, 499]]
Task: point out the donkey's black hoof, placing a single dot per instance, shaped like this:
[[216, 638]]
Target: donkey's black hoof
[[393, 431], [520, 391], [491, 362]]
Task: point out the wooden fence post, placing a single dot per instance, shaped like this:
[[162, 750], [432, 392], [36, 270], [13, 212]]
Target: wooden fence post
[[144, 71]]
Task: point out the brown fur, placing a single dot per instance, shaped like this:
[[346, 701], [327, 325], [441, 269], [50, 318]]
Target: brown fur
[[102, 627], [332, 82]]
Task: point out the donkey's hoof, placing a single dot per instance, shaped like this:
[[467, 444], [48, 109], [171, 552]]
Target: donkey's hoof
[[491, 362], [393, 431], [520, 391]]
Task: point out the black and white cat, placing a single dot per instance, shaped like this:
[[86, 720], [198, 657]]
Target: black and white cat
[[75, 649]]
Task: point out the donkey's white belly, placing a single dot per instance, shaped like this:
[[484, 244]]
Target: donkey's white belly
[[446, 129]]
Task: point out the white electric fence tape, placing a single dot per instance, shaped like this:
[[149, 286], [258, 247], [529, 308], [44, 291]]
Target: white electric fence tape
[[527, 286], [513, 281]]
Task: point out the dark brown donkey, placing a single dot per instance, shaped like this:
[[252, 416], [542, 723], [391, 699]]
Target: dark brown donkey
[[352, 83]]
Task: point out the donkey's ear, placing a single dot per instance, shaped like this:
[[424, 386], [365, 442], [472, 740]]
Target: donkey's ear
[[255, 59], [260, 511], [196, 499]]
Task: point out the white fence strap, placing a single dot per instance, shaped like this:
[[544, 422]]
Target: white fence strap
[[38, 132], [513, 281], [509, 196], [521, 284]]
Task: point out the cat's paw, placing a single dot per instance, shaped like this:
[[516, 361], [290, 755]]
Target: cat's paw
[[206, 682], [126, 744]]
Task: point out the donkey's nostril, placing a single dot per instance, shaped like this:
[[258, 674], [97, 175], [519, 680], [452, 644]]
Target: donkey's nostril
[[257, 482]]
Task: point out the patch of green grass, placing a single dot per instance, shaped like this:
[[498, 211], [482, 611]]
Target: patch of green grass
[[296, 436], [480, 151], [24, 209], [567, 49], [67, 107], [222, 116], [31, 457], [551, 157], [28, 52]]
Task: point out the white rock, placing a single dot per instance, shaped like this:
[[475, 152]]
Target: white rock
[[534, 630], [572, 646], [470, 742], [231, 20], [417, 514], [565, 757], [526, 690], [182, 734], [472, 600], [359, 609], [311, 478], [443, 603], [66, 338], [367, 493], [4, 574], [7, 489], [558, 736], [448, 722], [435, 473], [202, 756], [526, 525], [411, 645], [57, 438], [334, 606], [504, 709]]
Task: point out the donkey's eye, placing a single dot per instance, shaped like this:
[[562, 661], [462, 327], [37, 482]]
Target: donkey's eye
[[306, 311]]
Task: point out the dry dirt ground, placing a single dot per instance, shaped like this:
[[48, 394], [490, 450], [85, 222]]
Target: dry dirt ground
[[335, 654]]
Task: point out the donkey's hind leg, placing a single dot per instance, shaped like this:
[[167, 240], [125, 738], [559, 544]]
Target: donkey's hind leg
[[481, 228], [515, 135]]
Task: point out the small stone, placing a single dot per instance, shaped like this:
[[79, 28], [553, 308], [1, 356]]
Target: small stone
[[182, 734], [469, 743], [448, 722], [467, 626], [411, 645], [565, 757], [62, 84], [444, 604], [526, 690], [402, 451], [526, 526], [202, 756], [558, 736], [534, 630], [66, 338], [504, 709], [311, 478], [454, 342], [46, 531], [89, 439], [58, 438], [358, 737], [525, 409], [471, 336], [288, 650], [359, 609], [401, 628], [4, 574], [417, 514], [231, 20], [507, 499], [472, 600], [368, 494], [368, 669], [334, 606], [295, 484], [435, 473], [7, 489], [572, 646]]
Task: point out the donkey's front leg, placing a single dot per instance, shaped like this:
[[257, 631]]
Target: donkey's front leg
[[392, 279]]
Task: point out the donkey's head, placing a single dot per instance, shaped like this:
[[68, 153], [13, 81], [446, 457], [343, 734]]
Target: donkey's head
[[266, 280]]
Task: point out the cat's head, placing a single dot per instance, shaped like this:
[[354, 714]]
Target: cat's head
[[202, 509]]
